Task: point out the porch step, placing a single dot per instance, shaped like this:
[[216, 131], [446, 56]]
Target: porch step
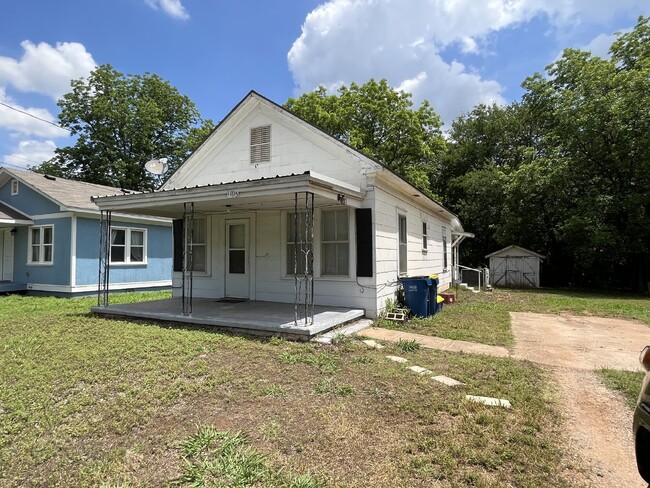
[[469, 288], [346, 330]]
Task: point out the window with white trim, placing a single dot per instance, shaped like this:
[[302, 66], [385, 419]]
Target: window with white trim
[[199, 245], [14, 187], [128, 246], [335, 243], [402, 244], [444, 249], [41, 244], [261, 144], [425, 237], [296, 240]]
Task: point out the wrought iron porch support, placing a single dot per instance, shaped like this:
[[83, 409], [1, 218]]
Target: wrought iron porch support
[[104, 258], [304, 253], [188, 233]]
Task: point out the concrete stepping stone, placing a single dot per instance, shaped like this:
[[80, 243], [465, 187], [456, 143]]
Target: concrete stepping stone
[[419, 370], [397, 359], [372, 344], [446, 380], [490, 402]]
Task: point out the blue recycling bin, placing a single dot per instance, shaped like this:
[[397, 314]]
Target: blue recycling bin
[[417, 295]]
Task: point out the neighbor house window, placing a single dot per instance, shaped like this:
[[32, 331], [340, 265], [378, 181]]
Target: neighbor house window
[[261, 144], [41, 245], [425, 237], [296, 240], [402, 252], [444, 248], [199, 245], [335, 243], [14, 187], [128, 246]]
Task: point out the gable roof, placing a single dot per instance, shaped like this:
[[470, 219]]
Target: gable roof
[[68, 194], [513, 247], [10, 215], [369, 161]]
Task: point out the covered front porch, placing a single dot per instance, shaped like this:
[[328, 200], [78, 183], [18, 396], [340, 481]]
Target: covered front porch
[[252, 317], [250, 264], [10, 220]]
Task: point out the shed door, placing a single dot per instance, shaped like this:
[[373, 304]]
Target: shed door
[[237, 265], [514, 271]]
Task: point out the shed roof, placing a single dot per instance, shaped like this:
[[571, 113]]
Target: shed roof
[[520, 250], [66, 193]]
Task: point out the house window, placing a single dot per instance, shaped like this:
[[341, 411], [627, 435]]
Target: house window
[[261, 144], [335, 243], [402, 252], [41, 244], [444, 248], [425, 238], [14, 187], [296, 244], [199, 245], [128, 246]]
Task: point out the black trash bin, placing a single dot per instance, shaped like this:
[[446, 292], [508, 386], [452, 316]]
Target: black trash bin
[[434, 305], [417, 294]]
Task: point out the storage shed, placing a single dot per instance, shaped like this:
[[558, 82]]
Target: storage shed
[[514, 267]]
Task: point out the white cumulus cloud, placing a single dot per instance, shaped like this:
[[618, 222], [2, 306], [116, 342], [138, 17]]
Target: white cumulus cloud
[[46, 69], [173, 8], [31, 153], [355, 40], [17, 122]]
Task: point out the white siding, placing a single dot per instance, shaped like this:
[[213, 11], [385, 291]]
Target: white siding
[[295, 148], [387, 208]]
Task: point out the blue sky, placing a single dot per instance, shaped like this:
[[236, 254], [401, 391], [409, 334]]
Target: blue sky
[[455, 53]]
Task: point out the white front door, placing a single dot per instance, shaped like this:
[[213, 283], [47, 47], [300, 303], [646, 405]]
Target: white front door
[[237, 259], [6, 255]]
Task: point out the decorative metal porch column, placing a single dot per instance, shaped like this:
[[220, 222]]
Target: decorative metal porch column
[[188, 232], [104, 257], [303, 239]]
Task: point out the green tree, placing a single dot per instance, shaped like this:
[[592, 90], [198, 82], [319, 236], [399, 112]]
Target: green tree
[[597, 112], [120, 122], [379, 121]]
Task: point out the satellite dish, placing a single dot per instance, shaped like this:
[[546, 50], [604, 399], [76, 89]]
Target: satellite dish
[[156, 166]]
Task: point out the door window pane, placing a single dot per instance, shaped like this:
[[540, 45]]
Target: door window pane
[[237, 236], [237, 261]]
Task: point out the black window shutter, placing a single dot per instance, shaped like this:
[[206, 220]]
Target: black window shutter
[[364, 241], [178, 244]]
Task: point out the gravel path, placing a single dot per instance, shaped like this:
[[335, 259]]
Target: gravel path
[[598, 423]]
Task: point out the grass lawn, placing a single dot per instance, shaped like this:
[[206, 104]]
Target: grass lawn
[[627, 382], [484, 318], [88, 401]]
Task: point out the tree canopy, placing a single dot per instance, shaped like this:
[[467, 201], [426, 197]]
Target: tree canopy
[[120, 122], [567, 169], [380, 122]]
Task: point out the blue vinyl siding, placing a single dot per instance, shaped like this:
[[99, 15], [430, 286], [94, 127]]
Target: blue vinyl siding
[[58, 273], [159, 254], [27, 201]]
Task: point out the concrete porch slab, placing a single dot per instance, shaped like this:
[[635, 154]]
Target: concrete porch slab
[[259, 318]]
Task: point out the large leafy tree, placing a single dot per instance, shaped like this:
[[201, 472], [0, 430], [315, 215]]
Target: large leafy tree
[[120, 122], [382, 123]]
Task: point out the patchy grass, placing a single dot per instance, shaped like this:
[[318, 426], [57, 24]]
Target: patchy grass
[[484, 317], [627, 382], [88, 401]]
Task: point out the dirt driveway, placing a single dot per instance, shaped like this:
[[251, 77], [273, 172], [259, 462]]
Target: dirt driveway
[[598, 422]]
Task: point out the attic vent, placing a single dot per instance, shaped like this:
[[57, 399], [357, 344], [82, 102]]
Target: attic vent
[[261, 144], [49, 177], [14, 187]]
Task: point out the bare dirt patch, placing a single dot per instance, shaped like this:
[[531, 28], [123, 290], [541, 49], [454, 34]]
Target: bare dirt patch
[[597, 419]]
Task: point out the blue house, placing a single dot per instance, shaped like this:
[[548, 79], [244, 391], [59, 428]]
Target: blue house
[[49, 234]]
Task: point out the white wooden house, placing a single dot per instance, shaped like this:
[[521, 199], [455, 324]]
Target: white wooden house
[[248, 194], [514, 267]]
